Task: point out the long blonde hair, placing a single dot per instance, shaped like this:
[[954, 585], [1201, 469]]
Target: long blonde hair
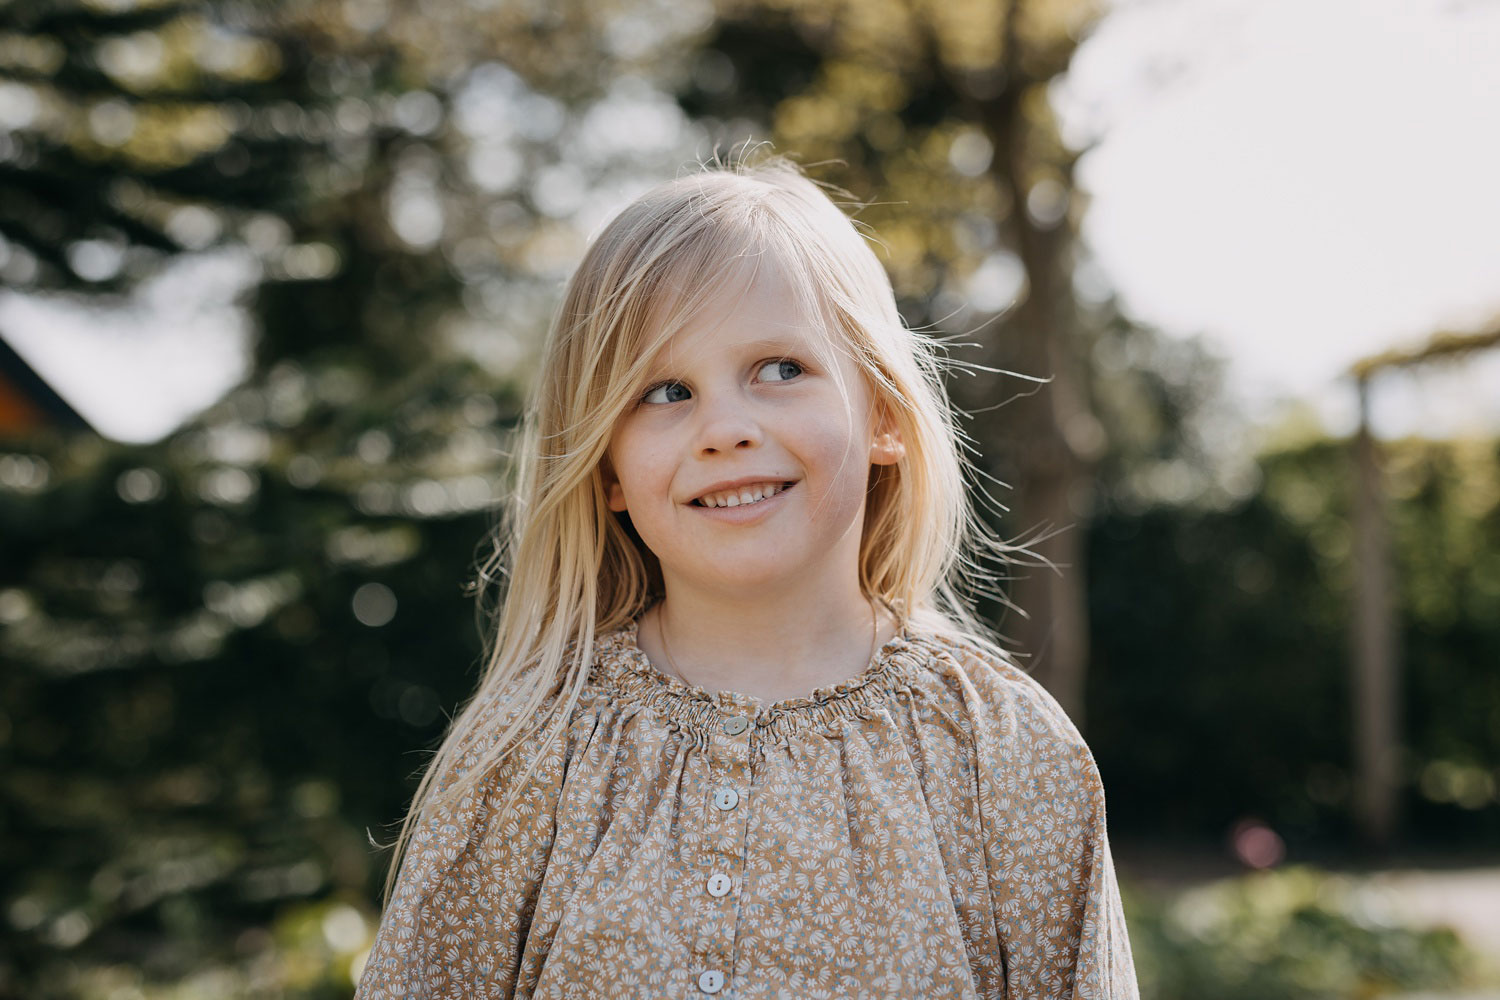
[[574, 569]]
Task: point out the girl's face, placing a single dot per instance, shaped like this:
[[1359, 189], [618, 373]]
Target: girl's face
[[738, 405]]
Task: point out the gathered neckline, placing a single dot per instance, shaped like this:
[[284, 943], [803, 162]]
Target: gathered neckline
[[627, 668]]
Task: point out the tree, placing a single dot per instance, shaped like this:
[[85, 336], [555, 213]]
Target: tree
[[133, 131]]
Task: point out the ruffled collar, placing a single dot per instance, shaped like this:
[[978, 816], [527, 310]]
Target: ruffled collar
[[623, 666]]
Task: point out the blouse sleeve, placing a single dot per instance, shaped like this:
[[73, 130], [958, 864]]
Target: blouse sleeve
[[1056, 900], [458, 916]]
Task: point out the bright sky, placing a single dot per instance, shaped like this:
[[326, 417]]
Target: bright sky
[[1302, 182], [137, 372]]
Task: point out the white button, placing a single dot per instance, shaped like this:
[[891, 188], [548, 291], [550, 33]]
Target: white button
[[736, 724], [726, 799], [719, 884], [711, 981]]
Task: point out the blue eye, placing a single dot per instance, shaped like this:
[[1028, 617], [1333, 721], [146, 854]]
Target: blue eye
[[662, 388], [782, 364], [663, 392]]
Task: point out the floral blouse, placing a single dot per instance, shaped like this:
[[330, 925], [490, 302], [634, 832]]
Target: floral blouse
[[933, 827]]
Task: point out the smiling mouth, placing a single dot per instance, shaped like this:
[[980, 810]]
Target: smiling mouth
[[741, 498]]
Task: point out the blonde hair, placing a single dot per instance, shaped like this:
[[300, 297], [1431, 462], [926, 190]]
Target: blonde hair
[[575, 569]]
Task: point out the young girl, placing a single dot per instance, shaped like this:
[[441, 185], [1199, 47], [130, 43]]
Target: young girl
[[737, 733]]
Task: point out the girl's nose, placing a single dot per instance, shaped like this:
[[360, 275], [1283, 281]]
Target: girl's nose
[[726, 424]]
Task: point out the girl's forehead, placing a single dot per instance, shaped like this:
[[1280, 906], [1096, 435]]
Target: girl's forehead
[[731, 334], [747, 309]]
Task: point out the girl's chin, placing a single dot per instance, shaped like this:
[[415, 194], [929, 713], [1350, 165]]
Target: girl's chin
[[741, 579]]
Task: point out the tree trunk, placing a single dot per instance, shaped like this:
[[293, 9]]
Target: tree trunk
[[1048, 435]]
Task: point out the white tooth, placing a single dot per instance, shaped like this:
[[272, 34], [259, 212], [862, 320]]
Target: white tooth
[[750, 494]]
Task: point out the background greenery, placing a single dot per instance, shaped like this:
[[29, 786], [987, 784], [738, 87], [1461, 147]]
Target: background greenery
[[226, 653]]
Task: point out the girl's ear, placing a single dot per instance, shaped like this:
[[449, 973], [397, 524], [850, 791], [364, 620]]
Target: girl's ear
[[887, 448], [614, 494]]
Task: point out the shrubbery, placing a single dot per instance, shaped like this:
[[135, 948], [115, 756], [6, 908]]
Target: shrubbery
[[1291, 934]]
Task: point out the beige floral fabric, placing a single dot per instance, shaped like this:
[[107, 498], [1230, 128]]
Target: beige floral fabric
[[931, 828]]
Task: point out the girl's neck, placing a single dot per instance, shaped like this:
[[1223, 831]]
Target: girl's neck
[[772, 650]]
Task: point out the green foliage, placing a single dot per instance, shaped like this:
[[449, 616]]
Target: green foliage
[[135, 132], [1294, 934], [224, 658], [1446, 526], [1227, 631]]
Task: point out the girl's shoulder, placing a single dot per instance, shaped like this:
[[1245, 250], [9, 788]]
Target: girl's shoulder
[[986, 689], [1023, 746]]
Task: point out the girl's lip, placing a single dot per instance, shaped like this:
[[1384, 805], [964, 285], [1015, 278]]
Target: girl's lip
[[744, 511]]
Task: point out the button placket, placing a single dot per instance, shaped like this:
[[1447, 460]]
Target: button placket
[[724, 861], [728, 853], [737, 730]]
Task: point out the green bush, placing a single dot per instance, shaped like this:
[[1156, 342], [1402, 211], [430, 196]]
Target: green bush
[[1227, 632], [1291, 934]]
